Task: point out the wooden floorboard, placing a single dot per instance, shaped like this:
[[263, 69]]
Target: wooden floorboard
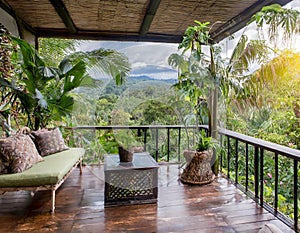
[[216, 207]]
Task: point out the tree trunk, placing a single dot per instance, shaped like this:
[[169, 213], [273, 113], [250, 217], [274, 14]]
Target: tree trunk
[[214, 127]]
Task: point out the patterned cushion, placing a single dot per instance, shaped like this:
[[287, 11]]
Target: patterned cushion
[[4, 164], [49, 141], [18, 153]]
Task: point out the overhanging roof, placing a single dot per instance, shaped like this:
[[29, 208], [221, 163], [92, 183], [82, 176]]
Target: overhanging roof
[[131, 20]]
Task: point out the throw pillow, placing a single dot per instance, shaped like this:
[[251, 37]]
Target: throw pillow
[[49, 141], [18, 153], [4, 165]]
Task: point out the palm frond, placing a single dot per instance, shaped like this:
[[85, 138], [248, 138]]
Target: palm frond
[[105, 62]]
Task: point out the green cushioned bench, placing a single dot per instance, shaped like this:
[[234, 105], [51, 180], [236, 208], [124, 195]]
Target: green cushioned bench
[[46, 175]]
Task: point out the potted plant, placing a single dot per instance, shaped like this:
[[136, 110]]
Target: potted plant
[[198, 168], [199, 76], [127, 145]]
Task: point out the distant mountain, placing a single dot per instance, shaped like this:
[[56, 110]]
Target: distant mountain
[[108, 86], [141, 78], [155, 72], [112, 88]]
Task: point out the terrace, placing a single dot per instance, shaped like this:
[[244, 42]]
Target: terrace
[[234, 202], [217, 207], [228, 204]]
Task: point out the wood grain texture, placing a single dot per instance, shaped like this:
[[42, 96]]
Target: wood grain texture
[[216, 207]]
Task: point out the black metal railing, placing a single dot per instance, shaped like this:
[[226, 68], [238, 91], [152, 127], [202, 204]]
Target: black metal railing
[[143, 131], [259, 157], [243, 159]]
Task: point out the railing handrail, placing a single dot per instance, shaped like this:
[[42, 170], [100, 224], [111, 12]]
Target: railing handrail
[[270, 146], [107, 127], [276, 148]]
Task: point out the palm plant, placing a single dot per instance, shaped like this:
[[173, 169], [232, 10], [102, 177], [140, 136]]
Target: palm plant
[[195, 76], [199, 74], [271, 62], [53, 50], [278, 19], [202, 78], [44, 93]]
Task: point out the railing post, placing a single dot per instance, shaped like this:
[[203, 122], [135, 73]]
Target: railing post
[[276, 185], [296, 195], [256, 174], [236, 160], [261, 177], [179, 141], [247, 166], [139, 134], [145, 139], [228, 157], [221, 157], [168, 144], [156, 144]]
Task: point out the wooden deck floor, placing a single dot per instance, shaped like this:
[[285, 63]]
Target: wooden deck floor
[[217, 207]]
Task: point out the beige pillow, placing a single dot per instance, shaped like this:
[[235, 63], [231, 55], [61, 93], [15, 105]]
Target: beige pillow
[[18, 153], [49, 141]]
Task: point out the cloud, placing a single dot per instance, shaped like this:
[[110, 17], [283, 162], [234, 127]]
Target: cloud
[[138, 65], [150, 53], [140, 55]]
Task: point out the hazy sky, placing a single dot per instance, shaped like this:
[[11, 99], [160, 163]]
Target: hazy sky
[[143, 54]]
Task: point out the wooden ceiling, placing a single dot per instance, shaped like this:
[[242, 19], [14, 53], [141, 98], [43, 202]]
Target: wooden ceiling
[[131, 20]]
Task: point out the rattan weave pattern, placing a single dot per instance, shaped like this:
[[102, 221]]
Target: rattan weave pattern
[[122, 18], [130, 183], [198, 169]]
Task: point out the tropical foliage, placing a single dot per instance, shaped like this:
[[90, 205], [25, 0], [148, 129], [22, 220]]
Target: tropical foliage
[[196, 71], [38, 95], [279, 20], [54, 50], [271, 109]]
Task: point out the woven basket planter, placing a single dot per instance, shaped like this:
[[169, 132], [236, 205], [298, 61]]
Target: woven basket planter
[[198, 169]]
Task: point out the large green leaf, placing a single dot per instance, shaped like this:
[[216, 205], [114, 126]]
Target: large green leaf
[[74, 77], [104, 62]]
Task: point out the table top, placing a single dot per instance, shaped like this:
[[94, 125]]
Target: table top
[[140, 161]]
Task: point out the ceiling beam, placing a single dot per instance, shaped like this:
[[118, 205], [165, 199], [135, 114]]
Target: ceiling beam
[[241, 20], [64, 15], [150, 13], [21, 24], [116, 36]]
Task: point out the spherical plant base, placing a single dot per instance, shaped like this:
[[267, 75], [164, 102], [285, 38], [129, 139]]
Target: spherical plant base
[[125, 155]]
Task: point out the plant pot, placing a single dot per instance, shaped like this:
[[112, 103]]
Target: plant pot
[[188, 155], [125, 155], [198, 169]]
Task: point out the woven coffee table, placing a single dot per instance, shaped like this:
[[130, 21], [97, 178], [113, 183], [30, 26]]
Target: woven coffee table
[[130, 183]]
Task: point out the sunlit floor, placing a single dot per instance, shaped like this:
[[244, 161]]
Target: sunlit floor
[[216, 207]]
